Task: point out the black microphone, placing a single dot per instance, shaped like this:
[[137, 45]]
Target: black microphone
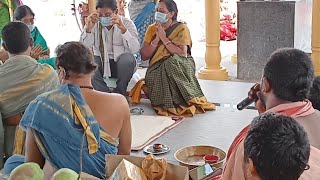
[[244, 103]]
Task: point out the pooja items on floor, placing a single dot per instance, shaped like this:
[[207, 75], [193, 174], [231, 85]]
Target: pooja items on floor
[[194, 156], [151, 169], [27, 171], [65, 174], [128, 171], [155, 169], [156, 149]]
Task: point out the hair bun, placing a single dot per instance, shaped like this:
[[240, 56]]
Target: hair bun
[[75, 57]]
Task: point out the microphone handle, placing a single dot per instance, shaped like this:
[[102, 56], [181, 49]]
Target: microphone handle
[[245, 103]]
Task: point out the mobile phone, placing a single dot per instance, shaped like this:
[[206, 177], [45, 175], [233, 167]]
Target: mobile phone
[[201, 172]]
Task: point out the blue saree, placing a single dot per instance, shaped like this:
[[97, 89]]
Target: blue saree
[[144, 19], [59, 121]]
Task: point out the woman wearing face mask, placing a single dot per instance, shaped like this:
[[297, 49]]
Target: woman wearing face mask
[[40, 50], [114, 40], [170, 82], [75, 120]]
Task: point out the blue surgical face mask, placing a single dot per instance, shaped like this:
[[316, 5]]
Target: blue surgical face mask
[[31, 27], [161, 17], [105, 21]]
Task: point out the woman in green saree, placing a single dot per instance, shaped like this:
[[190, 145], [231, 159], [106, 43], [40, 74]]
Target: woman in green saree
[[40, 50], [170, 83]]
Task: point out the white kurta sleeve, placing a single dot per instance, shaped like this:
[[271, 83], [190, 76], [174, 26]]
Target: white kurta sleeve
[[131, 37], [88, 38]]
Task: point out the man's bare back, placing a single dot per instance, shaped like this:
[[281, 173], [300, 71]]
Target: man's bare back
[[113, 114]]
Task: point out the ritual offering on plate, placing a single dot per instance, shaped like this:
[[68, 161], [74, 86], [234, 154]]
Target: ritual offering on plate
[[156, 149], [194, 156], [210, 158]]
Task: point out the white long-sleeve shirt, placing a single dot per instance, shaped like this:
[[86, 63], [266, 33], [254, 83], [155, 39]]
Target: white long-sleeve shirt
[[121, 43]]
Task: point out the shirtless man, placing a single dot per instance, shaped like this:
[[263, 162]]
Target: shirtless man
[[284, 89], [76, 109], [22, 79]]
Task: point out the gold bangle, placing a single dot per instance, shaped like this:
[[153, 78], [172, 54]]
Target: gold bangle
[[167, 42]]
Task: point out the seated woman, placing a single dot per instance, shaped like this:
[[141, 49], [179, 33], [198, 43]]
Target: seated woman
[[170, 82], [40, 50], [75, 125]]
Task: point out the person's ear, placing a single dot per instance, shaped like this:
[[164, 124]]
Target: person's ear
[[170, 15], [266, 87], [61, 73], [4, 47], [31, 43], [252, 170]]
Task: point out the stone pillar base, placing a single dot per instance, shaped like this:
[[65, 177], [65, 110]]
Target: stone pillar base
[[213, 74]]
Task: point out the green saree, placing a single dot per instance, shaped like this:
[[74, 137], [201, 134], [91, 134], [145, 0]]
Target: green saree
[[39, 40]]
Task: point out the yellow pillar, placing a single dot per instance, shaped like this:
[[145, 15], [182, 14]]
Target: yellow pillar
[[316, 36], [92, 6], [213, 69]]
